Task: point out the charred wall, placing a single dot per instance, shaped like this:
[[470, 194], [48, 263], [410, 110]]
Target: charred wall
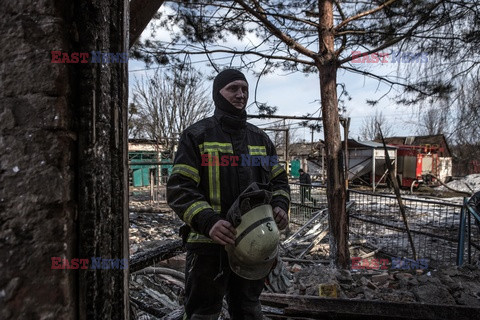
[[63, 182]]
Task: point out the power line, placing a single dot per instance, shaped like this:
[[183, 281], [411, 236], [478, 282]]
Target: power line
[[165, 66], [269, 123], [386, 115], [194, 62]]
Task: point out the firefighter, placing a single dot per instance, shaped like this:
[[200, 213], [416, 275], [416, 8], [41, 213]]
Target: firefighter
[[212, 167]]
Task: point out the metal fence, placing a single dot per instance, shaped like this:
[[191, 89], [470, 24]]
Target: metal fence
[[152, 192], [301, 210], [434, 225], [376, 218], [470, 224]]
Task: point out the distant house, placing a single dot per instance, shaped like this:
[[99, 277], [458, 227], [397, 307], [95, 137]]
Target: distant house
[[367, 161], [416, 159], [147, 161], [307, 156]]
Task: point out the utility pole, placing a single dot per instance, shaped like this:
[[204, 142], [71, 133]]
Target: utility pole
[[311, 141], [346, 128], [285, 155]]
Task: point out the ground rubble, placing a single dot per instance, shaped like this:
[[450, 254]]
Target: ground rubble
[[150, 225], [451, 285], [156, 292]]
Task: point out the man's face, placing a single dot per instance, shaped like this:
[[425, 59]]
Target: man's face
[[236, 92]]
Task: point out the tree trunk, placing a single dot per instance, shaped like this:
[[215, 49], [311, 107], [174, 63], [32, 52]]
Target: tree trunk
[[336, 193]]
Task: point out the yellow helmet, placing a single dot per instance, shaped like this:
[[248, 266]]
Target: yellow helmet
[[256, 244]]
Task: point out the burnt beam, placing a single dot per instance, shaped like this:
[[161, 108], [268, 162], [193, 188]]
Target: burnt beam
[[147, 258], [141, 12]]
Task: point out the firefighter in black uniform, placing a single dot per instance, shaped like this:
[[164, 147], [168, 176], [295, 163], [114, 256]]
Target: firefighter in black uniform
[[218, 158]]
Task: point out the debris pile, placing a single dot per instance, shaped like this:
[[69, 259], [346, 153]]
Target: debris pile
[[307, 238], [150, 225], [453, 285], [156, 292], [157, 269]]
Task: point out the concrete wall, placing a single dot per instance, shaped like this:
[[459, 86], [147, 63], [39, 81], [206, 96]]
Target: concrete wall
[[63, 182]]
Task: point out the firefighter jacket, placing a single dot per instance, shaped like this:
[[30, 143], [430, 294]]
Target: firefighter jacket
[[218, 158]]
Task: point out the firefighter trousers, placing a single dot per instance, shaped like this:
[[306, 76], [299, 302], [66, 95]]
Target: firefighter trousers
[[208, 278]]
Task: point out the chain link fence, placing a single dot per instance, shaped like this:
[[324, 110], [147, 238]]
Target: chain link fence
[[376, 220], [305, 201], [434, 226]]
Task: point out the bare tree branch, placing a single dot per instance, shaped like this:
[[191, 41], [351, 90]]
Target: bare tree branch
[[170, 102], [363, 14], [235, 52], [278, 33]]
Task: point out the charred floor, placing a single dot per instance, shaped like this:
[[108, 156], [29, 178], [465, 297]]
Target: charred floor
[[383, 282]]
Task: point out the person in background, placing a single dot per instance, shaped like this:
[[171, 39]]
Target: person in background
[[305, 187]]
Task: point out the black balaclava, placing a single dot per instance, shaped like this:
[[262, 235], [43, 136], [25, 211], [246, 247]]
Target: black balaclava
[[221, 80]]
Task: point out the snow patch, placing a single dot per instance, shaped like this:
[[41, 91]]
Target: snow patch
[[470, 183]]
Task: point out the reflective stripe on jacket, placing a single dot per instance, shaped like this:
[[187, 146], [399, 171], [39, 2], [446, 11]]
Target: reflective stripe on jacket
[[213, 165]]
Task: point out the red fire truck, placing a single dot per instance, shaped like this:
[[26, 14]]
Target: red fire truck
[[418, 164]]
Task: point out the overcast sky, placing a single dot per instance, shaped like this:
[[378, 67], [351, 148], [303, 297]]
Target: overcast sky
[[296, 94]]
